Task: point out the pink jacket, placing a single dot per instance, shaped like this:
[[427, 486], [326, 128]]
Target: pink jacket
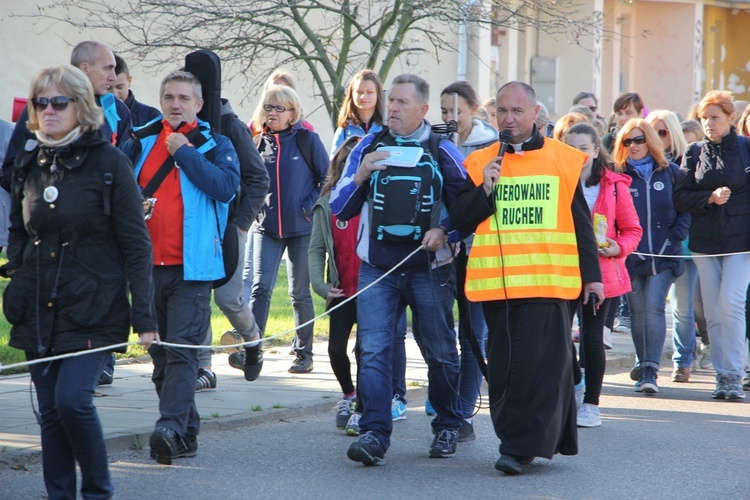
[[623, 226]]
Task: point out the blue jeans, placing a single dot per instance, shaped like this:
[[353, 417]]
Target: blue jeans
[[430, 295], [648, 325], [71, 429], [267, 253], [724, 282], [681, 296], [230, 299]]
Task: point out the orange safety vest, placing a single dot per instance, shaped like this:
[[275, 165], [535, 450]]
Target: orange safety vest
[[528, 247]]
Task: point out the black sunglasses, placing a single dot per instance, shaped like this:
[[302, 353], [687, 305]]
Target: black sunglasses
[[279, 109], [59, 102], [636, 140], [593, 108], [663, 133]]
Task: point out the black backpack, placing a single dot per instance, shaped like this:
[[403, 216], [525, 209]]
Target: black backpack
[[405, 203]]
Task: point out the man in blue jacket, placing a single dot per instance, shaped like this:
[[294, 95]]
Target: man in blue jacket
[[425, 280], [190, 176]]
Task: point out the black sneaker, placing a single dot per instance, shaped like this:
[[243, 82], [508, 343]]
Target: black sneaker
[[367, 450], [254, 362], [466, 432], [444, 444], [206, 380], [237, 360], [301, 364], [167, 445], [511, 464], [106, 378]]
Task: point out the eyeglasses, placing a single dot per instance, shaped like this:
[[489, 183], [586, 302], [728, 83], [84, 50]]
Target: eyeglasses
[[636, 140], [279, 109], [59, 102], [663, 133]]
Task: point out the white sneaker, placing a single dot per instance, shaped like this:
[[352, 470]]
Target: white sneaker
[[607, 338], [580, 390], [705, 362], [589, 416]]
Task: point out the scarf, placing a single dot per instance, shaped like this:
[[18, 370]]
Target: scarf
[[644, 166], [49, 142]]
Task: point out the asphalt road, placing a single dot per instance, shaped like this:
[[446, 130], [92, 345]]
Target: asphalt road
[[678, 444]]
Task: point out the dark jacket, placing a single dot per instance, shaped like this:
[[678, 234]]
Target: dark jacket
[[664, 227], [253, 174], [140, 113], [72, 260], [294, 187], [706, 167]]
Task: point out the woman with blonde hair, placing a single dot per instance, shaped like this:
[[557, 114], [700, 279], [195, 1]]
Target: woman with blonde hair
[[639, 153], [279, 76], [667, 126], [565, 122], [682, 293], [285, 219], [715, 188], [77, 246]]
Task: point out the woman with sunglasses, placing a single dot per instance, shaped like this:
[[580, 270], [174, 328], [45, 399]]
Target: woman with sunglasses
[[78, 243], [682, 293], [285, 219], [639, 153], [715, 188]]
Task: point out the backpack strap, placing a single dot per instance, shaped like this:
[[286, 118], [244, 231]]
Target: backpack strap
[[302, 137]]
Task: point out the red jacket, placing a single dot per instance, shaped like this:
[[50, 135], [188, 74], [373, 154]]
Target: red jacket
[[623, 226]]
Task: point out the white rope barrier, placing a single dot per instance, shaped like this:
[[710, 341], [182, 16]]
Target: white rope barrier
[[691, 256], [230, 346]]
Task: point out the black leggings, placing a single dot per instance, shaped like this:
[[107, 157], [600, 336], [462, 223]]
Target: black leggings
[[341, 322], [592, 347]]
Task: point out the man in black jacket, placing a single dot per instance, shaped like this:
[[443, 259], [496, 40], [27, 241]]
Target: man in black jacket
[[229, 297], [140, 113]]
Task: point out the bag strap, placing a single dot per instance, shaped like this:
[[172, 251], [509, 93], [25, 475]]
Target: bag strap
[[303, 143], [197, 139]]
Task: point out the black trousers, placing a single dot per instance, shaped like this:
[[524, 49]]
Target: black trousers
[[183, 311]]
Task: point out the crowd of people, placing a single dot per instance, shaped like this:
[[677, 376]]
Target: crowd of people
[[127, 216]]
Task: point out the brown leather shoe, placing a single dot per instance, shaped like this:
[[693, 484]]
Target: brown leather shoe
[[681, 374]]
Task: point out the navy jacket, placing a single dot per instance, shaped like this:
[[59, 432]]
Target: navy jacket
[[664, 227], [294, 187], [706, 167], [140, 113]]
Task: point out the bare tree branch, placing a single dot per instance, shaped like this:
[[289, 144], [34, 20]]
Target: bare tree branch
[[331, 38]]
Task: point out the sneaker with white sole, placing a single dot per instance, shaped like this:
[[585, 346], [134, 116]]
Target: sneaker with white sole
[[649, 375], [734, 389], [444, 444], [580, 390], [621, 324], [352, 426], [344, 410], [589, 416], [398, 408]]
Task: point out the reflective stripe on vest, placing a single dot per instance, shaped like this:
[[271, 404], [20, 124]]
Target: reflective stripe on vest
[[528, 248]]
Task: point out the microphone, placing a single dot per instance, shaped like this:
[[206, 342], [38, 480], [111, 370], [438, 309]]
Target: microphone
[[505, 138]]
